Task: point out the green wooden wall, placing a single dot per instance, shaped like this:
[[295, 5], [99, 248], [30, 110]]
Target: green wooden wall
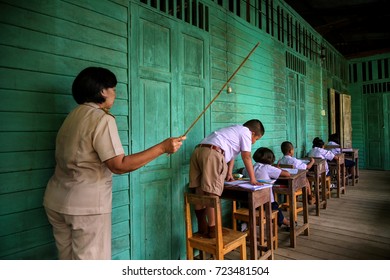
[[370, 90], [44, 44]]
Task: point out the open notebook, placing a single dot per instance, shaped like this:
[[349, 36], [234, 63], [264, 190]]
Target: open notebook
[[246, 185], [291, 170]]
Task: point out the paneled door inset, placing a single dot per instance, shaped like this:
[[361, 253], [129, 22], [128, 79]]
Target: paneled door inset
[[169, 80], [296, 118], [374, 132]]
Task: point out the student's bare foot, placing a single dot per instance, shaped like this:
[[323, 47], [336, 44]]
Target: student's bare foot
[[310, 199]]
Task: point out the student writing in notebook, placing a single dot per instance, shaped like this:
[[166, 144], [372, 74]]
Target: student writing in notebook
[[334, 140], [319, 151], [264, 170], [288, 158]]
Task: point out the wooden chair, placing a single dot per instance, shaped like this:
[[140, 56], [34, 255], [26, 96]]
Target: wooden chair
[[226, 239], [337, 174], [286, 205], [327, 183], [242, 214]]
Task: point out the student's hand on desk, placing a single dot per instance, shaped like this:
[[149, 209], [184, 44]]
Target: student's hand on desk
[[229, 177], [255, 183]]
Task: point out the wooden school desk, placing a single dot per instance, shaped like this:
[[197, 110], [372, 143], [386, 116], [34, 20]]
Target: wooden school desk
[[337, 167], [318, 171], [254, 198], [353, 154], [293, 183]]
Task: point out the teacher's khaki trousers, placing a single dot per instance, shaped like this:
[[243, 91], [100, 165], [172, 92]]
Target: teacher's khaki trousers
[[81, 237]]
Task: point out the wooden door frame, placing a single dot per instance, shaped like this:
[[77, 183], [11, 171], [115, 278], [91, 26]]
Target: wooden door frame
[[339, 121]]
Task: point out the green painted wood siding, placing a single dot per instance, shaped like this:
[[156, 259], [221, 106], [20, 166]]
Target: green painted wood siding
[[370, 79], [44, 44]]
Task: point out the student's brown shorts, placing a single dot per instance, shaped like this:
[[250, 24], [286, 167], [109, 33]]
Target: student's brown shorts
[[208, 170]]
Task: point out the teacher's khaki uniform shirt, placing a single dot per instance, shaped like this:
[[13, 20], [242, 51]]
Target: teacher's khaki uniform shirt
[[82, 183]]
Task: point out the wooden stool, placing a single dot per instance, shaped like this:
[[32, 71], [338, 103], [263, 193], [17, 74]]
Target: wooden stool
[[297, 194], [286, 205], [226, 239], [242, 214], [328, 180]]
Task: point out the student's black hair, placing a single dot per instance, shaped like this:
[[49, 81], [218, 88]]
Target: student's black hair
[[255, 126], [318, 142], [334, 138], [89, 83], [286, 147], [264, 155]]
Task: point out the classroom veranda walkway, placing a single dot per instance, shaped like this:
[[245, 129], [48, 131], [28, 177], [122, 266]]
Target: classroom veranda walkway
[[355, 226]]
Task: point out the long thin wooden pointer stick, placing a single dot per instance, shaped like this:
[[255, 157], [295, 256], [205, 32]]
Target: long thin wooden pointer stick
[[227, 82]]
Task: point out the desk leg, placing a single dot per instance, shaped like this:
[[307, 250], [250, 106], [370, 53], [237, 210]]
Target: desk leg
[[252, 229], [341, 189], [323, 190], [356, 175], [262, 227], [292, 210], [270, 243], [266, 229], [305, 211], [317, 193]]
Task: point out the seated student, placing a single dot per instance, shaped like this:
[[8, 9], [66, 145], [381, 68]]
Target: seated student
[[264, 170], [319, 151], [334, 140], [288, 158]]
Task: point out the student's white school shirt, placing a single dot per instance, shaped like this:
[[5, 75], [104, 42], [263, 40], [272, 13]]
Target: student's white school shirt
[[322, 153], [232, 139], [296, 163], [334, 150], [264, 172]]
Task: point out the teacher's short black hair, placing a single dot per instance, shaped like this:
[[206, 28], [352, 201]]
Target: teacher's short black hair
[[89, 83]]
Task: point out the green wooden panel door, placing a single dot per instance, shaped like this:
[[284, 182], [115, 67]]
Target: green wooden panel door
[[301, 136], [292, 89], [296, 120], [386, 130], [168, 79], [374, 132]]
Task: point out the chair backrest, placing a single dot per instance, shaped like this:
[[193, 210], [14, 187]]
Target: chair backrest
[[286, 166], [204, 200], [330, 147]]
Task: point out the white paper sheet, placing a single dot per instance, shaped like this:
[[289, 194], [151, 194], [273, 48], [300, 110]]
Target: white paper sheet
[[247, 185], [291, 170]]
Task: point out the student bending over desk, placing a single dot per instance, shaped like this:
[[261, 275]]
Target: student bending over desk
[[212, 163]]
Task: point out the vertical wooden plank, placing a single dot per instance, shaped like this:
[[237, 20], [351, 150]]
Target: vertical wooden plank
[[346, 121], [373, 132], [386, 130], [332, 110]]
